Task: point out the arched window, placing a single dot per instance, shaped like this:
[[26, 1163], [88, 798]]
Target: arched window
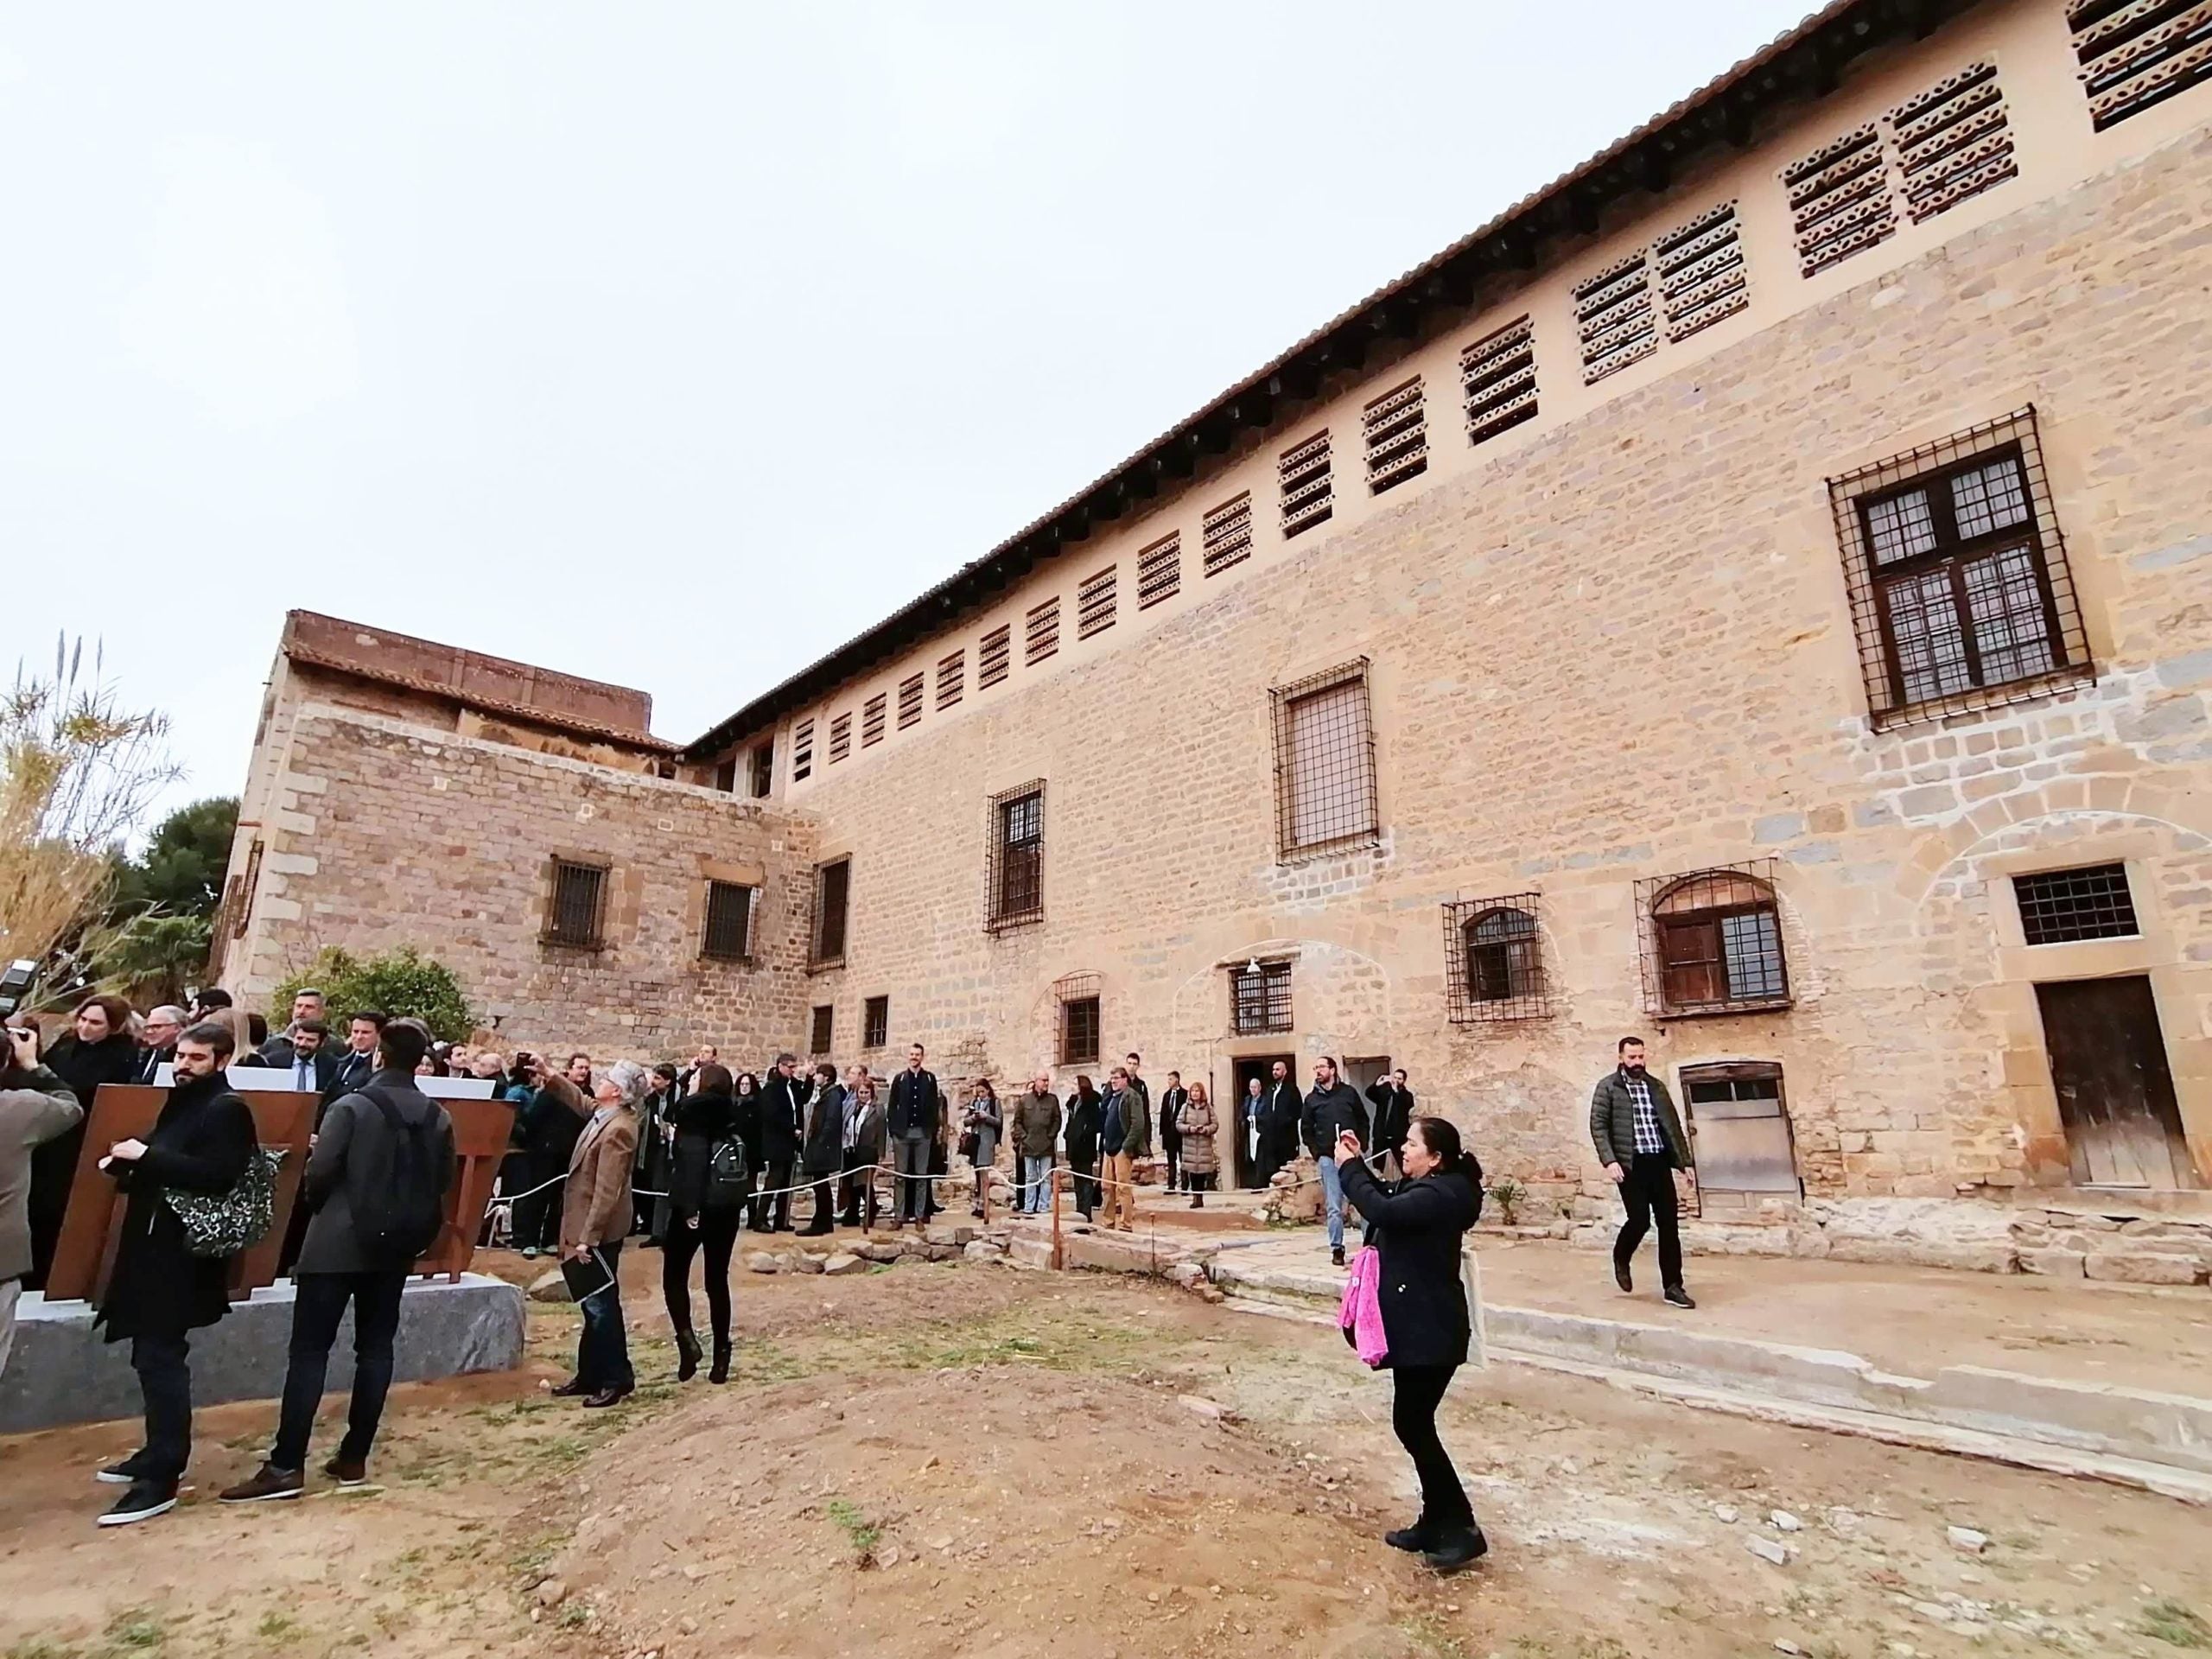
[[1502, 955], [1717, 938]]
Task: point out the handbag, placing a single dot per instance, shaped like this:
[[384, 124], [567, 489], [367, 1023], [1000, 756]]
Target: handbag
[[1360, 1315], [223, 1224]]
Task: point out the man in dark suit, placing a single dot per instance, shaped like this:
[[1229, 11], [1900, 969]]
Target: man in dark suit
[[1394, 1113], [306, 1004], [783, 1115], [310, 1065], [164, 1027], [1172, 1100], [917, 1112], [356, 1064], [1280, 1108]]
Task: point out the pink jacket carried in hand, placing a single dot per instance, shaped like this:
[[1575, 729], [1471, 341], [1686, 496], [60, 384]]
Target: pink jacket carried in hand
[[1361, 1315]]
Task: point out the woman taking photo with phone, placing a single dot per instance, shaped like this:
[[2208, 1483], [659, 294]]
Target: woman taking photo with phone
[[1415, 1226]]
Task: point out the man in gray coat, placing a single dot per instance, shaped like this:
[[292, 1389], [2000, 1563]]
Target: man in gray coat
[[1640, 1142], [35, 1106], [351, 1175]]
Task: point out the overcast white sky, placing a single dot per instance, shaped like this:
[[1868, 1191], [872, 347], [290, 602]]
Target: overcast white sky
[[675, 344]]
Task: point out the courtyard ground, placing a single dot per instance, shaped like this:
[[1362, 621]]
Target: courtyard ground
[[972, 1460]]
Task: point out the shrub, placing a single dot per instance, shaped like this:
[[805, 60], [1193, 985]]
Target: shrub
[[1507, 1194], [402, 981]]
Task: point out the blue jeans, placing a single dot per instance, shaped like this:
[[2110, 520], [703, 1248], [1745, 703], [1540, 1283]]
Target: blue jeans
[[602, 1345], [1039, 1198], [1332, 1194]]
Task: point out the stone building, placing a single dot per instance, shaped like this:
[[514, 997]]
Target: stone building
[[1756, 593]]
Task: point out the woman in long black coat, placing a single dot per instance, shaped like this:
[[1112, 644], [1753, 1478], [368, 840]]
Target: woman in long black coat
[[700, 1219], [1082, 1132], [1416, 1225], [97, 1048]]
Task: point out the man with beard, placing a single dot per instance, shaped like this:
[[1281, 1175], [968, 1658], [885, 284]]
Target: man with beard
[[1280, 1108], [1640, 1142]]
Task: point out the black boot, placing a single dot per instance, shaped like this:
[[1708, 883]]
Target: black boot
[[721, 1372], [1455, 1547], [1414, 1539], [687, 1355]]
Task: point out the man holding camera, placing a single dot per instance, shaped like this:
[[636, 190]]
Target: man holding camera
[[35, 1107]]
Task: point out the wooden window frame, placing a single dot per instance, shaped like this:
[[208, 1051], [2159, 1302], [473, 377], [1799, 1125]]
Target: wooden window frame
[[707, 943], [1014, 896], [832, 895], [593, 937], [1260, 1004], [1472, 963], [1069, 1054], [762, 761], [1667, 937], [1283, 700], [876, 1023], [822, 1029]]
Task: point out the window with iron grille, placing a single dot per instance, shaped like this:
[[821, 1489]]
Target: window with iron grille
[[824, 1021], [1225, 535], [872, 717], [1325, 762], [875, 1022], [910, 701], [1080, 1031], [841, 737], [729, 936], [833, 884], [2061, 906], [951, 671], [803, 750], [1960, 591], [578, 905], [1396, 428], [1613, 318], [1095, 601], [1952, 142], [1494, 960], [1702, 276], [725, 774], [1016, 864], [1159, 572], [1308, 485], [764, 769], [993, 658], [1497, 376], [1840, 199], [1713, 942], [1259, 1001], [2137, 52], [1040, 632]]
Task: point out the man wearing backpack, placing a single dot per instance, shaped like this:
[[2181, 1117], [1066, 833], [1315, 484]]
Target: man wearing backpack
[[376, 1184]]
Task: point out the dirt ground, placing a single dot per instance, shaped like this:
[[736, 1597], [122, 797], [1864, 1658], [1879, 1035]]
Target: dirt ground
[[968, 1459]]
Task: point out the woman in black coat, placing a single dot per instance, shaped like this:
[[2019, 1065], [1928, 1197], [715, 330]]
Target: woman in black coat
[[746, 1094], [1416, 1225], [96, 1048], [700, 1218], [1082, 1126]]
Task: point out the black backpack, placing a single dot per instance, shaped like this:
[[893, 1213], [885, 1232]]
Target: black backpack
[[399, 1212], [729, 1180]]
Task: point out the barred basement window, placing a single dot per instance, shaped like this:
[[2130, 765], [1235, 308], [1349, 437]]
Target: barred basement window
[[1094, 602], [578, 906], [764, 769], [995, 657], [1954, 140], [1713, 942], [1613, 319], [872, 713], [1308, 489], [875, 1022], [1159, 572], [1701, 273], [1493, 960], [1840, 201], [803, 750], [841, 737], [1325, 762], [1259, 1000], [2137, 52], [1960, 589], [2061, 906], [824, 1021], [1015, 868], [1498, 374], [1225, 536], [729, 922], [1078, 997], [910, 701], [1395, 427], [1040, 631], [951, 671], [833, 885]]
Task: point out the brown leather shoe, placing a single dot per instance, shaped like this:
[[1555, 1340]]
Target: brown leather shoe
[[347, 1471]]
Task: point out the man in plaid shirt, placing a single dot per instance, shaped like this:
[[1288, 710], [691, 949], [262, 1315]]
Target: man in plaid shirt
[[1640, 1142]]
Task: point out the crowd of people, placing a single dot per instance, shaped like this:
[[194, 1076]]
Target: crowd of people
[[684, 1158]]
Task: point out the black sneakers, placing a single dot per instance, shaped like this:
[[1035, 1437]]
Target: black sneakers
[[1461, 1547], [347, 1471], [268, 1482], [145, 1500], [125, 1473], [1413, 1539], [1677, 1297]]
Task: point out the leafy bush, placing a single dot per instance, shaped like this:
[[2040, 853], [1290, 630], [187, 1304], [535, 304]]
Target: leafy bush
[[402, 981], [1507, 1193]]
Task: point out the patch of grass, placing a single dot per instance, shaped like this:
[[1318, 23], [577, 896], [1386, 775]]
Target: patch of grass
[[277, 1627], [37, 1647], [2175, 1622], [535, 1557], [1431, 1638], [135, 1628], [573, 1616], [863, 1532]]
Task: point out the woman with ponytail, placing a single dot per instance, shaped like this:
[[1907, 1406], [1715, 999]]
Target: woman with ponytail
[[1416, 1226]]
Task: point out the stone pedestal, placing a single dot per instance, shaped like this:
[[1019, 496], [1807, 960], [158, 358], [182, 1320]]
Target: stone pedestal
[[62, 1371]]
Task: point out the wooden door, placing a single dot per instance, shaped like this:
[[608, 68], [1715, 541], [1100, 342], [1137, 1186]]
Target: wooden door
[[1262, 1066], [2115, 1093]]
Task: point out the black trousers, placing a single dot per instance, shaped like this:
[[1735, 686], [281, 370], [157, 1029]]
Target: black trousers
[[536, 1220], [1648, 1192], [1412, 1417], [717, 1234], [1082, 1176], [164, 1368], [770, 1215], [603, 1345], [825, 1204], [856, 1188], [1171, 1149], [319, 1302]]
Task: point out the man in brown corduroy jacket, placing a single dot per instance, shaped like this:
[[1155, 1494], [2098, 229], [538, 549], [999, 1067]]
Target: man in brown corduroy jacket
[[595, 1219]]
